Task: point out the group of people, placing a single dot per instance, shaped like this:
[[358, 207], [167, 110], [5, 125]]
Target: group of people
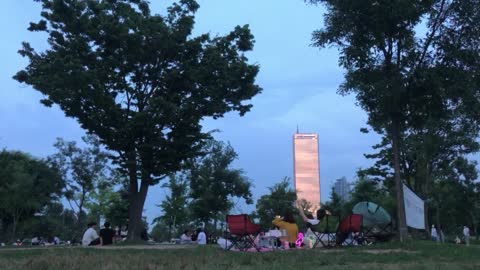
[[287, 223], [107, 235], [438, 236], [38, 241], [198, 237]]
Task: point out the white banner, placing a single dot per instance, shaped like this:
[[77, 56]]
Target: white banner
[[414, 209]]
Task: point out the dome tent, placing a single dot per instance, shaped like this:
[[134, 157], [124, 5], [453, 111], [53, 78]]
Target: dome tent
[[373, 214]]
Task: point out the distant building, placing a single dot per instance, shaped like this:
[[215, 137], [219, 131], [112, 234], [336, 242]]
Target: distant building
[[306, 167], [342, 189]]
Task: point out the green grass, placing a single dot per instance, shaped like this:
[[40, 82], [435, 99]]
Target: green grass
[[413, 255]]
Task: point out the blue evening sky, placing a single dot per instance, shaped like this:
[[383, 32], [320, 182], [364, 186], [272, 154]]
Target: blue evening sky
[[299, 87]]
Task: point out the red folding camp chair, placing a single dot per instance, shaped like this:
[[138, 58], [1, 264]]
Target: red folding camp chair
[[350, 226], [242, 232]]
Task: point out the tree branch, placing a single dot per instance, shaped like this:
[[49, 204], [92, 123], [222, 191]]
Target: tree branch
[[437, 22]]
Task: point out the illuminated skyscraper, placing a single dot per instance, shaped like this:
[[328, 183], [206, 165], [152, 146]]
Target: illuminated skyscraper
[[306, 167]]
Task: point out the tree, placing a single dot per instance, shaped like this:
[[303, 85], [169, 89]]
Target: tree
[[213, 183], [174, 206], [278, 202], [430, 155], [398, 78], [140, 81], [110, 203], [82, 170], [27, 185], [335, 205], [53, 220]]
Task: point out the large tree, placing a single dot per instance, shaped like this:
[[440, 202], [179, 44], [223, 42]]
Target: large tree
[[27, 185], [139, 81], [214, 183], [430, 154], [398, 76]]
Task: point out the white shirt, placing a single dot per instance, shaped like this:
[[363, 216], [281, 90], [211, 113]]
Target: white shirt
[[89, 236], [202, 238], [313, 221], [466, 231], [434, 232], [185, 237]]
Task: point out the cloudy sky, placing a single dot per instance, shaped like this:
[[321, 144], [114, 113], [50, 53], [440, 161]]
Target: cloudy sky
[[299, 88]]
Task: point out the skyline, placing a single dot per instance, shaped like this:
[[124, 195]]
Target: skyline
[[299, 84]]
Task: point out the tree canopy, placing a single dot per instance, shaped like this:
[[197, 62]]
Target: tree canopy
[[139, 81], [27, 185], [278, 202], [401, 77], [214, 183]]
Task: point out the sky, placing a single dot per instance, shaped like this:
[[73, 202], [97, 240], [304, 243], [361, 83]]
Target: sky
[[299, 89]]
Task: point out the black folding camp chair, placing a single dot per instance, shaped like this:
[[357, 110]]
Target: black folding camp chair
[[325, 231]]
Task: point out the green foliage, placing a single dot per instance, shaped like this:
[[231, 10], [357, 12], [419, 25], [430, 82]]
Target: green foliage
[[52, 221], [278, 202], [82, 170], [110, 203], [27, 185], [213, 183], [410, 84], [369, 190], [175, 206], [139, 81], [336, 205], [161, 232]]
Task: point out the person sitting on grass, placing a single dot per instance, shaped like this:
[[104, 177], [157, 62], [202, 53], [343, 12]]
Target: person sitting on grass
[[287, 224], [90, 237], [186, 238], [124, 233], [201, 237], [107, 235]]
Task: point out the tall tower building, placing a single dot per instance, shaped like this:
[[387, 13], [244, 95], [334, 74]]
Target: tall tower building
[[306, 167], [342, 189]]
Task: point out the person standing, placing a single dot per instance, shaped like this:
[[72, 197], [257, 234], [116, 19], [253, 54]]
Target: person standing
[[433, 233], [466, 235], [106, 235], [201, 237], [90, 237], [441, 235]]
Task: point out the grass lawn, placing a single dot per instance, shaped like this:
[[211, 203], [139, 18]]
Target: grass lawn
[[413, 255]]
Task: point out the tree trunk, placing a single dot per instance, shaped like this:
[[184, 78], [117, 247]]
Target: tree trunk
[[401, 222], [136, 199], [427, 228], [80, 228], [426, 193], [14, 228]]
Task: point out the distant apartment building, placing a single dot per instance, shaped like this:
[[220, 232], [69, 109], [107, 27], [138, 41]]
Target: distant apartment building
[[306, 167], [342, 189]]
